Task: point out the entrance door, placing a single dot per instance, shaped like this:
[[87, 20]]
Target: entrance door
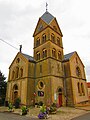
[[59, 96], [60, 99]]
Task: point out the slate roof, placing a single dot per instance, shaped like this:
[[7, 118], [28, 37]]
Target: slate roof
[[47, 17], [28, 57], [68, 56]]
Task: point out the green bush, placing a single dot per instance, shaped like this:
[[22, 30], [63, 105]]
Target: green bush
[[24, 110], [17, 103], [10, 106]]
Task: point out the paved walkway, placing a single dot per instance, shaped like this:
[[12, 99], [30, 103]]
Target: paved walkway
[[83, 117], [63, 113]]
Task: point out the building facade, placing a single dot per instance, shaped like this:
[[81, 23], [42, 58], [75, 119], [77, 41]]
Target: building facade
[[49, 76]]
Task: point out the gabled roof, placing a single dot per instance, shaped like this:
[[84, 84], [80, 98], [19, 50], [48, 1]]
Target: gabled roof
[[47, 17], [68, 56], [28, 57]]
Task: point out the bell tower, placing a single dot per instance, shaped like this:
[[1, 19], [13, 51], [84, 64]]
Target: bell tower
[[48, 53]]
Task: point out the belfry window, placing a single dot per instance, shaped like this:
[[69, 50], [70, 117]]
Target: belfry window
[[59, 55], [44, 53], [44, 38], [58, 41], [53, 38], [38, 55], [53, 53], [37, 42]]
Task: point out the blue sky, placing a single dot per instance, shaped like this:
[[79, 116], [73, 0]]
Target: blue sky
[[18, 19]]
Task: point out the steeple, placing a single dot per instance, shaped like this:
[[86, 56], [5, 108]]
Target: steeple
[[47, 17]]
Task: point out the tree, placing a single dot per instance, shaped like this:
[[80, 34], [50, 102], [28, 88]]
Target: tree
[[3, 85]]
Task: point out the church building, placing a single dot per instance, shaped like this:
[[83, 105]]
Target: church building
[[49, 76]]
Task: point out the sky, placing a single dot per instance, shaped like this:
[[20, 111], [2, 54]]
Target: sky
[[18, 19]]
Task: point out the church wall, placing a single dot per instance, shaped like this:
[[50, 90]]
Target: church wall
[[75, 62], [69, 93], [46, 97], [30, 91], [79, 97], [57, 83]]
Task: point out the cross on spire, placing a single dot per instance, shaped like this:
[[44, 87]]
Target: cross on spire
[[46, 6]]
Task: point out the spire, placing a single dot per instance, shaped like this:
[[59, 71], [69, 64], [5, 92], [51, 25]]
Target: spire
[[46, 6]]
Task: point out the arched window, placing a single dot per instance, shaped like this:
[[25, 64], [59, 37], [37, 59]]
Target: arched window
[[44, 38], [53, 38], [44, 53], [53, 53], [15, 87], [21, 72], [59, 55], [37, 42], [58, 41], [38, 56], [18, 60], [78, 72], [82, 88], [17, 72], [79, 91], [13, 74]]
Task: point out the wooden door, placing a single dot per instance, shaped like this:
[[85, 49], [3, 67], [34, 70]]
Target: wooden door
[[60, 99]]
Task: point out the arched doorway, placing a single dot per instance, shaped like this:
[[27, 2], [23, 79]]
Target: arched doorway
[[59, 92], [15, 92]]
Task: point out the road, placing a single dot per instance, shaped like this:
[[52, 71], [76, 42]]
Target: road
[[11, 116], [83, 117]]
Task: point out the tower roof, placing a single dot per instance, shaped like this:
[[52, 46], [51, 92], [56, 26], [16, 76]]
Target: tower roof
[[47, 17]]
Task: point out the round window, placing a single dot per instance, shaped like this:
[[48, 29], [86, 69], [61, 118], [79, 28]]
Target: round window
[[40, 84]]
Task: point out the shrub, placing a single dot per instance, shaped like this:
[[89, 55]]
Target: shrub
[[10, 107], [24, 110], [17, 103], [40, 103]]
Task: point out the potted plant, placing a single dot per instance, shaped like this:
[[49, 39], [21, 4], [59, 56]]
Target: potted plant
[[10, 107], [17, 103], [53, 108], [24, 110], [43, 113]]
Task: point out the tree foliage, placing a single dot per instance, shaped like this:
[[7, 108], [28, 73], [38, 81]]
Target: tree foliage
[[3, 85]]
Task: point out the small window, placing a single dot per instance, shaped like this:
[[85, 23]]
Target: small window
[[43, 38], [18, 60], [53, 53], [38, 56], [82, 88], [44, 53], [59, 55], [78, 73], [55, 28], [58, 41], [79, 91], [13, 74], [37, 42], [21, 72], [53, 38]]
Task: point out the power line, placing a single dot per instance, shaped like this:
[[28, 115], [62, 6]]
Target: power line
[[8, 44]]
